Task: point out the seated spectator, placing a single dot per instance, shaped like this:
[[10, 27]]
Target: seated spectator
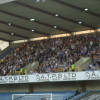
[[77, 92]]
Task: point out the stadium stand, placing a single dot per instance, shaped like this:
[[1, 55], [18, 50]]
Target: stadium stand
[[70, 95], [7, 52], [54, 55], [53, 50], [91, 95]]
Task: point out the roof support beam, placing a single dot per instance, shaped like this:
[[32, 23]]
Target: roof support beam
[[14, 25], [13, 35], [52, 14], [28, 19], [76, 7], [59, 28], [15, 15], [39, 22], [24, 28], [5, 39], [42, 33]]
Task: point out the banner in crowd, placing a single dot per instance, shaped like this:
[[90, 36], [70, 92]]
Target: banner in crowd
[[51, 77]]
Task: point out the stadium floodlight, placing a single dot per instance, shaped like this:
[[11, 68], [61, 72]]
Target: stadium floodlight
[[12, 33], [9, 24], [86, 9], [56, 15], [32, 30], [42, 96], [32, 19], [55, 26], [80, 22], [39, 0]]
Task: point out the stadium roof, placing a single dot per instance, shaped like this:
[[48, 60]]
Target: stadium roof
[[24, 19]]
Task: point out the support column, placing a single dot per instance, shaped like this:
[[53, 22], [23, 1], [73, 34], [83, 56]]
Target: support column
[[31, 88], [83, 86]]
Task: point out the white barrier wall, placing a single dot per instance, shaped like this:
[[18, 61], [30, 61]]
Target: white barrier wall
[[68, 81], [51, 77]]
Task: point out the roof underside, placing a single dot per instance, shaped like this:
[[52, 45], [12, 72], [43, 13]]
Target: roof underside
[[70, 12]]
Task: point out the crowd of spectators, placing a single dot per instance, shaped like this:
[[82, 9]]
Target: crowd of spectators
[[52, 53], [95, 62]]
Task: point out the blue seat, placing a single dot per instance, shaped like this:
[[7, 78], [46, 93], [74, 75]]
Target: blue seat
[[56, 95], [6, 53]]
